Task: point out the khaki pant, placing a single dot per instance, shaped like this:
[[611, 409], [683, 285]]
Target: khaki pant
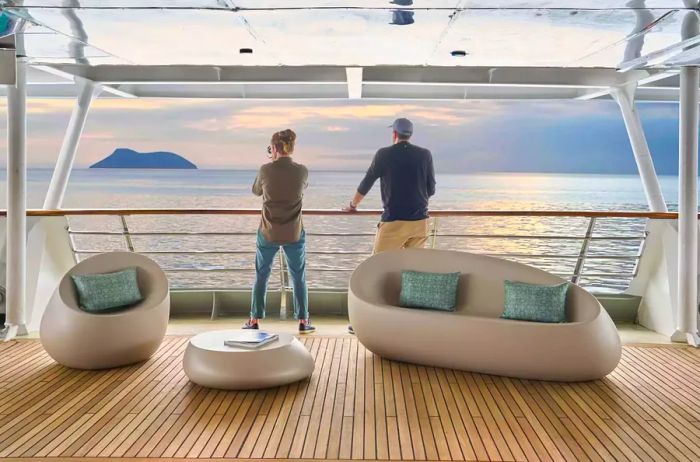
[[394, 235]]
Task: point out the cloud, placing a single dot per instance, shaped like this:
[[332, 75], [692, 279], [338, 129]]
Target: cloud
[[464, 136], [58, 106], [96, 135], [263, 117], [271, 116], [207, 125]]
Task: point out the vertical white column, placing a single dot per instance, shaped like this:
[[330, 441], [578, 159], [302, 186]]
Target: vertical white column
[[16, 203], [624, 96], [354, 76], [87, 90], [688, 208]]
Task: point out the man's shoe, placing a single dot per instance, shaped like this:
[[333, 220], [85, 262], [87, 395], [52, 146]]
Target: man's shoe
[[306, 328], [251, 325], [351, 330]]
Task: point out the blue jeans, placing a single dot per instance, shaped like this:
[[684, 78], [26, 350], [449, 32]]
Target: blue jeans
[[295, 254]]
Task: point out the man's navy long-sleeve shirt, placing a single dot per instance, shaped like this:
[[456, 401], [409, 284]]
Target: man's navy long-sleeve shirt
[[407, 181]]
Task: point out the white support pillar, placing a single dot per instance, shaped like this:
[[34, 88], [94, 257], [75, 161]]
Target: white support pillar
[[354, 76], [687, 320], [87, 90], [624, 96], [16, 204]]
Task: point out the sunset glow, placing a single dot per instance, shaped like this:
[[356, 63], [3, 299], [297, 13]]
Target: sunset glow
[[465, 136]]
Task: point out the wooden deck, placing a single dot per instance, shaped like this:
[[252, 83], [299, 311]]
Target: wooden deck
[[356, 406]]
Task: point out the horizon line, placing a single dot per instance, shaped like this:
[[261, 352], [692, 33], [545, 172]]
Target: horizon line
[[233, 169]]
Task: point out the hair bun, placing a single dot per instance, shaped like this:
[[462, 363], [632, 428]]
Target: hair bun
[[284, 140], [288, 135]]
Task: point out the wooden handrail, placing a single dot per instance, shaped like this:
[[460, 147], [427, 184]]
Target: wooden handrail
[[363, 212]]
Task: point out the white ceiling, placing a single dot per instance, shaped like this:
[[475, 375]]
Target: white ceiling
[[574, 33], [408, 4], [150, 47]]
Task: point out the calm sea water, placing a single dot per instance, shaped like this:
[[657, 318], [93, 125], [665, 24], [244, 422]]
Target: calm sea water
[[220, 188], [226, 188]]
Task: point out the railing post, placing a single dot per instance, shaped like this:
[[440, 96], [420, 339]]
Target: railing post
[[214, 306], [283, 287], [433, 237], [640, 253], [578, 270], [127, 235], [71, 242]]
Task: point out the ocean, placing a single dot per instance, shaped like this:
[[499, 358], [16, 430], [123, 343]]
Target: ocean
[[231, 188], [92, 188]]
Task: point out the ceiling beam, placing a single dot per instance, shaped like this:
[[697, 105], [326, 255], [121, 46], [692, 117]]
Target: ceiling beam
[[338, 82], [354, 76], [652, 78], [545, 76], [71, 77]]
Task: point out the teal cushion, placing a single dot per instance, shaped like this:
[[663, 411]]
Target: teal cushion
[[108, 292], [533, 302], [436, 291]]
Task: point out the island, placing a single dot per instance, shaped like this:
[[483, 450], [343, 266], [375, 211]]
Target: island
[[128, 158]]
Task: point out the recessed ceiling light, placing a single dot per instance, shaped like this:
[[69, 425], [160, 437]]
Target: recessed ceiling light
[[245, 51], [458, 53]]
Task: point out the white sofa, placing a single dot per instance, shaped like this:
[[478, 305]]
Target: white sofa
[[82, 340], [474, 337]]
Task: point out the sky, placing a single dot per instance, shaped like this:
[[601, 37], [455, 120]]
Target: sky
[[464, 136]]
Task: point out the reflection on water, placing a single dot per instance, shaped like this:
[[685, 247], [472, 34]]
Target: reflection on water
[[210, 189], [331, 271]]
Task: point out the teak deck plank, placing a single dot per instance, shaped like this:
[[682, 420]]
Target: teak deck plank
[[662, 417], [355, 406], [370, 430]]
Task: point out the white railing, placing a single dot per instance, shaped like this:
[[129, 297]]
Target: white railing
[[438, 238]]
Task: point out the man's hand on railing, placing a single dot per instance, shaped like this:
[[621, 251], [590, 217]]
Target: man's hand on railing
[[350, 208], [354, 203]]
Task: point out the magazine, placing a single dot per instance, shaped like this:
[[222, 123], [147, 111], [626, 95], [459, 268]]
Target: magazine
[[250, 339]]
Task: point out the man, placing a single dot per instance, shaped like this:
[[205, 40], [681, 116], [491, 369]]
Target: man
[[407, 181]]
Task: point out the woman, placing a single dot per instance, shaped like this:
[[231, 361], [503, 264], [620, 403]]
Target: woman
[[281, 184]]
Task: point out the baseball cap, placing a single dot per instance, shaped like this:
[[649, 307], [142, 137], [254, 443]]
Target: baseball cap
[[403, 126]]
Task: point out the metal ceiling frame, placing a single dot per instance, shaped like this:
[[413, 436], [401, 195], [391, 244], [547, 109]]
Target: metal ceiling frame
[[339, 82]]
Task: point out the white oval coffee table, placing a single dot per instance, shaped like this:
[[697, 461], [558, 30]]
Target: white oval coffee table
[[210, 363]]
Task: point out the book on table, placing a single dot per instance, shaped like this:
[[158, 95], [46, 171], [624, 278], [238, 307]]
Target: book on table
[[250, 339]]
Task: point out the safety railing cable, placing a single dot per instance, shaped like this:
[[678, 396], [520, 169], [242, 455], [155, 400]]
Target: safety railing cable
[[435, 237]]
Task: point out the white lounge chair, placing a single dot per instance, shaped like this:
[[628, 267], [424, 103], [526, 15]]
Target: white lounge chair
[[82, 340], [474, 337]]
